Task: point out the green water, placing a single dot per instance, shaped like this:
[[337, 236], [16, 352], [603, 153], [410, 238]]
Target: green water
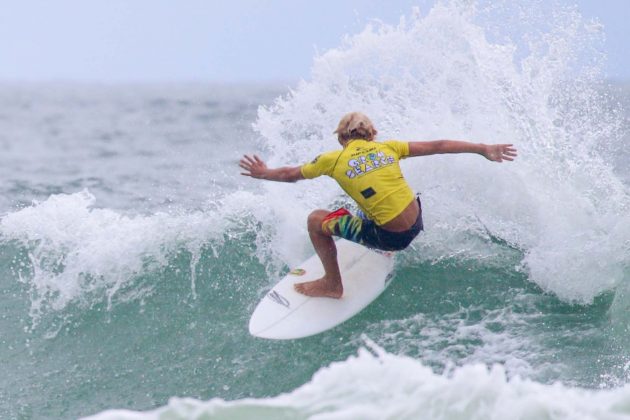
[[140, 353]]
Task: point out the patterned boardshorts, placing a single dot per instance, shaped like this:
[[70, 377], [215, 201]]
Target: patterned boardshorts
[[364, 231]]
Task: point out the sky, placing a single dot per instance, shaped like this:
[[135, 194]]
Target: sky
[[213, 40]]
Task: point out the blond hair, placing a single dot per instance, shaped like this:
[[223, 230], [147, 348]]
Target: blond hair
[[355, 125]]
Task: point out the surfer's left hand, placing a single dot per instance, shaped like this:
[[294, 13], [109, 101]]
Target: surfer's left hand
[[500, 152]]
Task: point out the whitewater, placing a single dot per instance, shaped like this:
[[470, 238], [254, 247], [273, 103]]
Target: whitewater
[[133, 253]]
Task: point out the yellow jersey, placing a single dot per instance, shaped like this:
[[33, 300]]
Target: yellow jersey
[[369, 172]]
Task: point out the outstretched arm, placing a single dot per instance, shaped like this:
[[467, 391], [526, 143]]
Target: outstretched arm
[[256, 168], [493, 152]]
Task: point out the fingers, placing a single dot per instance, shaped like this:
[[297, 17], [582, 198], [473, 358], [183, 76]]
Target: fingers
[[252, 161], [247, 163], [505, 152], [248, 160], [508, 153]]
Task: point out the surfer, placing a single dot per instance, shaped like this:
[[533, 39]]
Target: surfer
[[369, 172]]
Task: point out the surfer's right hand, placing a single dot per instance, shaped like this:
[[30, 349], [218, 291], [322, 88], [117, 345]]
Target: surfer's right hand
[[254, 166]]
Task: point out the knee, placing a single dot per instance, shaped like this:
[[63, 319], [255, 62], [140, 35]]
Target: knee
[[315, 219]]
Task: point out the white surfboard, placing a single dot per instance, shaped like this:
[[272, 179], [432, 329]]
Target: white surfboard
[[286, 314]]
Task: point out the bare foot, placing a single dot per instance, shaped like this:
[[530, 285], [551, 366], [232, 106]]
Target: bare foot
[[320, 288]]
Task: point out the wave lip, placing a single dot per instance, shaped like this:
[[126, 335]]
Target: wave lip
[[379, 385], [461, 71]]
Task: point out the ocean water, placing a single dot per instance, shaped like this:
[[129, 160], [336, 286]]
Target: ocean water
[[132, 252]]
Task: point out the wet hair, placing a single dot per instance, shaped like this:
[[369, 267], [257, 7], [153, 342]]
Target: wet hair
[[355, 125]]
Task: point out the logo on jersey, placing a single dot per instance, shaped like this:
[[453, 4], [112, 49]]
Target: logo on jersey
[[365, 163]]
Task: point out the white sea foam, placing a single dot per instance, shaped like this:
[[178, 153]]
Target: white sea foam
[[379, 385], [441, 76], [81, 254], [497, 338]]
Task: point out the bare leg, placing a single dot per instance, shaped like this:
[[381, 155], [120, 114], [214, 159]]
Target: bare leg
[[329, 285]]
